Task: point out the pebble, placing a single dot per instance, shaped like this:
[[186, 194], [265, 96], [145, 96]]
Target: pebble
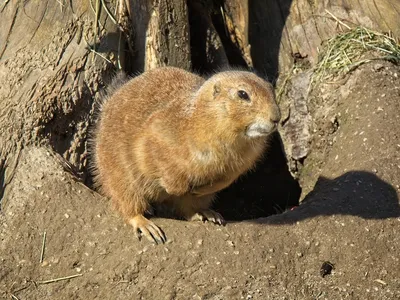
[[45, 263], [378, 67]]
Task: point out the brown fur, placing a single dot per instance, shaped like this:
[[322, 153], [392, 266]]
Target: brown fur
[[171, 136]]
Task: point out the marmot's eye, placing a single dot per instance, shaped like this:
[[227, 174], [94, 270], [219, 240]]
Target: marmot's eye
[[243, 95]]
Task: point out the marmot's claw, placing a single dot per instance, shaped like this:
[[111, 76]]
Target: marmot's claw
[[208, 215], [144, 227]]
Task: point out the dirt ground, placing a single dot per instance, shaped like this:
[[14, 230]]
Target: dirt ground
[[350, 216]]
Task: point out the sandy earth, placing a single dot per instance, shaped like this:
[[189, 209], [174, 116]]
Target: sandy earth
[[351, 218]]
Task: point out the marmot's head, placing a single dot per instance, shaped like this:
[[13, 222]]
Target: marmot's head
[[241, 102]]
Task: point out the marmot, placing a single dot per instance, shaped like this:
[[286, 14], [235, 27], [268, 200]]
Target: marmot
[[171, 136]]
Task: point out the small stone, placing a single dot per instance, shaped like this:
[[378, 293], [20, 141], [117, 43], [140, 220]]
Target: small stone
[[45, 263], [378, 67]]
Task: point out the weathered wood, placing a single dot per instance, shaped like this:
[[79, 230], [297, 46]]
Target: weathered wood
[[48, 76], [162, 33], [308, 23], [236, 17], [269, 33]]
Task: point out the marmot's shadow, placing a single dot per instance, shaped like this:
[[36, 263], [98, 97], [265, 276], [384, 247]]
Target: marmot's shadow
[[356, 193]]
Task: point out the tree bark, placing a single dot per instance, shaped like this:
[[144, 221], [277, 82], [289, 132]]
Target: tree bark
[[269, 33], [48, 77], [162, 34]]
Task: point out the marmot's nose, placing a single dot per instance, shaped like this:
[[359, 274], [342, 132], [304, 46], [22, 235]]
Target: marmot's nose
[[275, 117]]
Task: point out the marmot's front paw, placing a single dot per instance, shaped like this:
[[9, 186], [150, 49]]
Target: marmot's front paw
[[144, 227], [208, 215]]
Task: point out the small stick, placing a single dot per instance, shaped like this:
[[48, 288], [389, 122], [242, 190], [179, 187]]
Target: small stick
[[94, 52], [102, 56], [224, 20], [58, 279], [20, 289], [43, 245], [337, 20], [14, 297], [380, 281], [96, 27], [119, 51], [108, 12]]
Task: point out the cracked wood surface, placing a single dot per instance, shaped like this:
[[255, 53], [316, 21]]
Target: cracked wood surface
[[270, 32], [47, 81]]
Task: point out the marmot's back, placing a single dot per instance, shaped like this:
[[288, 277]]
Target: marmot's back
[[147, 93]]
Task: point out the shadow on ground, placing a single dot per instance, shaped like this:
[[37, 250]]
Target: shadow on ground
[[355, 193]]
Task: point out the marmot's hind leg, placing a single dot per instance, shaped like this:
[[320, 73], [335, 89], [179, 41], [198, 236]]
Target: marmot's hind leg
[[195, 208], [208, 215]]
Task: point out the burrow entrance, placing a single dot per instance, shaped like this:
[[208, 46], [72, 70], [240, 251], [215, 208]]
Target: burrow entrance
[[267, 190]]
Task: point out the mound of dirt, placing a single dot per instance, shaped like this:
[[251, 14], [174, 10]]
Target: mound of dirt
[[351, 218]]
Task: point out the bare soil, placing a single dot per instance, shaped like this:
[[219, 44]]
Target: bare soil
[[350, 216]]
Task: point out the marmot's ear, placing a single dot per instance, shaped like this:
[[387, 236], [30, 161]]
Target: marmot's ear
[[217, 88]]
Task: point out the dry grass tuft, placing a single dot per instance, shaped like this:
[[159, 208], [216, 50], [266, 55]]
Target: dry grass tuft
[[346, 51]]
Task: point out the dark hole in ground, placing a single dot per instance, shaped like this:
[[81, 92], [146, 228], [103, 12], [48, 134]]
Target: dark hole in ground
[[269, 189]]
